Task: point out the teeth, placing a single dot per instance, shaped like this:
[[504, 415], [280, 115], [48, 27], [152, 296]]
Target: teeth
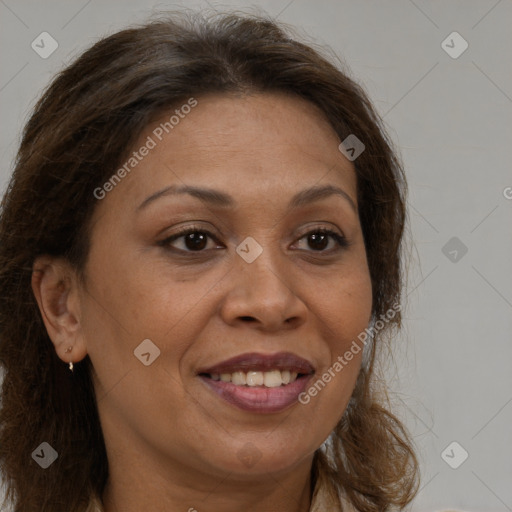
[[271, 379], [239, 378], [255, 378]]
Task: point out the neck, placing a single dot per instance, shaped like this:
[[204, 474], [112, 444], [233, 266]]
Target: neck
[[132, 492]]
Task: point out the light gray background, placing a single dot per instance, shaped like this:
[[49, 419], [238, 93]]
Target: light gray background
[[451, 119]]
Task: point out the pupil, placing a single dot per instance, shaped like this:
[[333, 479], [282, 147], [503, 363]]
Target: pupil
[[314, 240], [195, 241]]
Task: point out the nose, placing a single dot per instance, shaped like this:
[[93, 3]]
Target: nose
[[262, 294]]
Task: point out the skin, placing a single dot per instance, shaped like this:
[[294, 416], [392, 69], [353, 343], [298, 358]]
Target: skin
[[172, 444]]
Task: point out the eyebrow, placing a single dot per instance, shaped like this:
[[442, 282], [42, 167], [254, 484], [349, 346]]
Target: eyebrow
[[221, 199]]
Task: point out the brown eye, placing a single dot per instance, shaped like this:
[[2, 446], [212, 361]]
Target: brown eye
[[318, 240], [193, 240], [196, 240]]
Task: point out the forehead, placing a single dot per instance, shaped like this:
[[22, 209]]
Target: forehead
[[267, 123], [269, 143]]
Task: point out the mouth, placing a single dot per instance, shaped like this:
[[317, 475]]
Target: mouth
[[258, 382], [268, 379], [256, 369]]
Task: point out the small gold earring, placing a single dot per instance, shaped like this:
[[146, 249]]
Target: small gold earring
[[69, 349]]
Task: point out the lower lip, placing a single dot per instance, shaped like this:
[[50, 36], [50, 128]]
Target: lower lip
[[258, 398]]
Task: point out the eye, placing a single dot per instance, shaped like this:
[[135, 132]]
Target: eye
[[194, 239], [319, 239]]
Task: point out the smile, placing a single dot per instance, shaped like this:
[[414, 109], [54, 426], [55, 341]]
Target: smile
[[259, 383]]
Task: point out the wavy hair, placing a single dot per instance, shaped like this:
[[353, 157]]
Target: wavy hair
[[81, 128]]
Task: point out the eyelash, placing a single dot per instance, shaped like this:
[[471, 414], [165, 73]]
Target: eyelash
[[342, 242]]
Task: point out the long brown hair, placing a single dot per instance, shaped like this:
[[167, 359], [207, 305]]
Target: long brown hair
[[79, 131]]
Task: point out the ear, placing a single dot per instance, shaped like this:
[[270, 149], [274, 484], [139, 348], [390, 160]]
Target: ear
[[56, 290]]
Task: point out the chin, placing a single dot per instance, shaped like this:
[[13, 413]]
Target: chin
[[252, 459]]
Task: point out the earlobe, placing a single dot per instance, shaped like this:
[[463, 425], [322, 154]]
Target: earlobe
[[55, 288]]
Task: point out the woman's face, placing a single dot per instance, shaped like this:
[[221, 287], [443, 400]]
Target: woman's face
[[203, 299]]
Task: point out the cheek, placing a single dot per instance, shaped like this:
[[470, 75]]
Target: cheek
[[133, 302], [346, 304], [343, 313]]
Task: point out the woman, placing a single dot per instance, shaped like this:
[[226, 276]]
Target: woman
[[200, 261]]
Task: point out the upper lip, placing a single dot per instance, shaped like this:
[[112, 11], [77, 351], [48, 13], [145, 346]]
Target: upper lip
[[261, 362]]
